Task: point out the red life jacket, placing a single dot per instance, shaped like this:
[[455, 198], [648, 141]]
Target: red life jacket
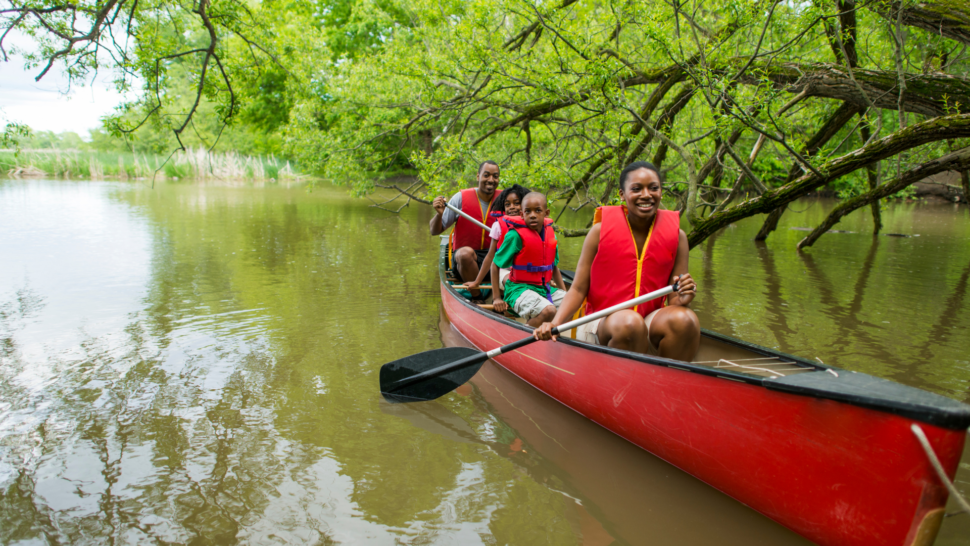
[[535, 262], [467, 233], [617, 275], [504, 227]]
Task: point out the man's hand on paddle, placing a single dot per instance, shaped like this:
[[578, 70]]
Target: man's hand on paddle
[[499, 305], [439, 204]]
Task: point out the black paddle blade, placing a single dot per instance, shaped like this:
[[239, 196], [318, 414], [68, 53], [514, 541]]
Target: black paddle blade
[[434, 385]]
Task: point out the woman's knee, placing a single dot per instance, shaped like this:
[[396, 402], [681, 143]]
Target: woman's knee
[[626, 325], [682, 322]]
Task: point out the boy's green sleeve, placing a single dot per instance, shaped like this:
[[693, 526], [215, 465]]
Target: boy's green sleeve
[[505, 255]]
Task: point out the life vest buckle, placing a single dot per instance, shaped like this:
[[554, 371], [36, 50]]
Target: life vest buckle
[[533, 268]]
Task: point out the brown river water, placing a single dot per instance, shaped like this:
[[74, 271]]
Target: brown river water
[[198, 364]]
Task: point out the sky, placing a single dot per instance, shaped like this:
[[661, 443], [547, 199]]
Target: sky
[[44, 106]]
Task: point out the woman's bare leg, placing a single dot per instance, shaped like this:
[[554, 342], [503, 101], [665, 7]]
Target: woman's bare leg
[[624, 330], [676, 333]]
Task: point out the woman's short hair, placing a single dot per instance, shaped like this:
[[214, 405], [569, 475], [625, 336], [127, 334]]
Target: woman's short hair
[[635, 166]]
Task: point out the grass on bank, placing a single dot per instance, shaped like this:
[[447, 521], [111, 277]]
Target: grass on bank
[[192, 163]]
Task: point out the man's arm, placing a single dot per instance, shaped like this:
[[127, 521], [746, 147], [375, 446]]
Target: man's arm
[[439, 207], [444, 216]]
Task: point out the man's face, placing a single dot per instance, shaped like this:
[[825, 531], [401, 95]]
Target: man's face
[[534, 212], [488, 179]]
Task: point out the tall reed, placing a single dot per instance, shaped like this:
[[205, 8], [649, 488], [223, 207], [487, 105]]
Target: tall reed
[[195, 163]]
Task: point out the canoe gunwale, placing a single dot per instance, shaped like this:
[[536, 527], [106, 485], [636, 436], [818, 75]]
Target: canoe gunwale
[[849, 387]]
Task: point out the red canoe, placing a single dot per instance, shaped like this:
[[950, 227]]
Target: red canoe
[[829, 453]]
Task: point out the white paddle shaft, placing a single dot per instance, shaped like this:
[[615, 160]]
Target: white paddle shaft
[[618, 307], [469, 218], [588, 318]]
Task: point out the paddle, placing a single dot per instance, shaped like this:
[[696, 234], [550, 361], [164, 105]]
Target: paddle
[[428, 375], [469, 218]]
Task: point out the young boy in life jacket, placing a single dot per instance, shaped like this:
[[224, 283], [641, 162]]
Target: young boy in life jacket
[[530, 250], [508, 203]]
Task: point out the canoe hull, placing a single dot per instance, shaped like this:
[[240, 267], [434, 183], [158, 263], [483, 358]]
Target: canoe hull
[[833, 472]]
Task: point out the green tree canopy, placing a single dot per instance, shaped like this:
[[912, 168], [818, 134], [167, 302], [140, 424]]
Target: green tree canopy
[[745, 105], [766, 99]]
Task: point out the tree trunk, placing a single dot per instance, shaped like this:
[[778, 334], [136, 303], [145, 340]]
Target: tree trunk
[[836, 121], [872, 171], [965, 178], [926, 94], [950, 19], [933, 130], [771, 223]]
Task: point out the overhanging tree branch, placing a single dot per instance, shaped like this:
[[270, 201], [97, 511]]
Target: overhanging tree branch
[[934, 130], [951, 20]]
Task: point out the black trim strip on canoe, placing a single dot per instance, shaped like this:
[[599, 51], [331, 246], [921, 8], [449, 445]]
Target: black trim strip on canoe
[[828, 383]]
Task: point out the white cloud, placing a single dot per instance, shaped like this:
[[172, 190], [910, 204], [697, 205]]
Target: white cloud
[[51, 104], [45, 106]]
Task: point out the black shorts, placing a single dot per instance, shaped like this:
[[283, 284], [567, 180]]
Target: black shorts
[[479, 257]]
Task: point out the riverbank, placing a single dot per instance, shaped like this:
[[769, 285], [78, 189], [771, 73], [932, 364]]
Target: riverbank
[[196, 163]]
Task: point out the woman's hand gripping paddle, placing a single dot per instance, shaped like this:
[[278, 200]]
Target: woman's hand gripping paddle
[[431, 374]]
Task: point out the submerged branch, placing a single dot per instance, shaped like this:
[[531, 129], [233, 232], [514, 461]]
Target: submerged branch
[[958, 160]]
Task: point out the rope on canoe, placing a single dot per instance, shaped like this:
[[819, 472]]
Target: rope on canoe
[[935, 462]]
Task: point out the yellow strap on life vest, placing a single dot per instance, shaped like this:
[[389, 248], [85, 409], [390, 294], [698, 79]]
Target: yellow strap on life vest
[[449, 249], [580, 313]]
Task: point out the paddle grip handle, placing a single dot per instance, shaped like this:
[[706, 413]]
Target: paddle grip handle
[[467, 217]]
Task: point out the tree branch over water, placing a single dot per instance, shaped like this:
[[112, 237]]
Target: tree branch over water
[[156, 49], [744, 108], [956, 161], [934, 130]]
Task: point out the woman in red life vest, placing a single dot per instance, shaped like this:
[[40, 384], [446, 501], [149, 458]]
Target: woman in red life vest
[[635, 249], [508, 203], [469, 242]]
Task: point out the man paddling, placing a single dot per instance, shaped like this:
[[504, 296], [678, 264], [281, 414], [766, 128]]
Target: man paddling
[[631, 250], [469, 243]]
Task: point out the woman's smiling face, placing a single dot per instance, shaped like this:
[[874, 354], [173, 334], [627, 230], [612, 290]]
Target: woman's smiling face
[[513, 205], [641, 192]]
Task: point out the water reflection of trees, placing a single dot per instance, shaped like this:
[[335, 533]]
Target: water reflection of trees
[[220, 406], [251, 365]]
